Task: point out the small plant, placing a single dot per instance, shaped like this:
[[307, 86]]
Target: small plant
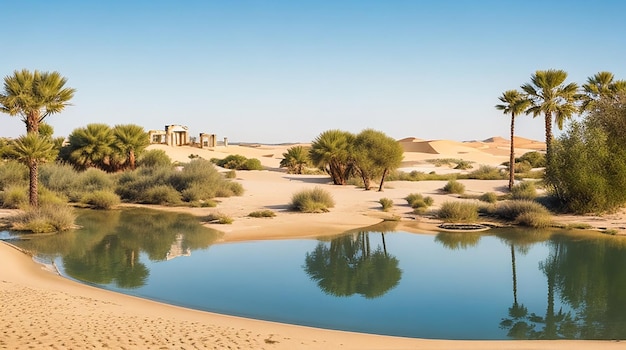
[[487, 172], [524, 212], [454, 186], [419, 202], [387, 203], [458, 212], [231, 174], [262, 214], [316, 200], [43, 219], [524, 190], [488, 197], [219, 218], [536, 220], [578, 226], [611, 232], [463, 165], [102, 199], [14, 197]]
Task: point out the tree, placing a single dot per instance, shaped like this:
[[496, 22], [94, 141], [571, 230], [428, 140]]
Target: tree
[[32, 149], [375, 154], [91, 146], [551, 98], [332, 152], [130, 141], [514, 103], [601, 85], [295, 159], [34, 95]]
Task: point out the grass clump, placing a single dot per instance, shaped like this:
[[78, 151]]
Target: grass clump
[[13, 197], [489, 197], [454, 186], [219, 218], [231, 174], [238, 162], [458, 212], [386, 203], [418, 202], [487, 172], [578, 226], [262, 214], [524, 212], [44, 219], [316, 200], [101, 199], [524, 190]]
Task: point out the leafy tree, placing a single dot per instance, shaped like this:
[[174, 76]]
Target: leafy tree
[[295, 159], [34, 95], [376, 154], [514, 103], [332, 152], [31, 150], [601, 85], [91, 146], [550, 97], [130, 141]]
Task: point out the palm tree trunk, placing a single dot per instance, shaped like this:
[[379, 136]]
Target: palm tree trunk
[[514, 274], [33, 198], [131, 159], [32, 122], [382, 180], [512, 155], [548, 138]]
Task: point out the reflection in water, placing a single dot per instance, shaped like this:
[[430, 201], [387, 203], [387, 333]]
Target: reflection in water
[[348, 265], [107, 248], [458, 240]]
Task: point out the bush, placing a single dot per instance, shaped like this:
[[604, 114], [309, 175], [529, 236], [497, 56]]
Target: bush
[[489, 197], [534, 159], [262, 214], [50, 197], [14, 197], [463, 165], [458, 212], [154, 158], [536, 220], [512, 210], [45, 218], [386, 203], [230, 174], [417, 201], [486, 172], [61, 178], [524, 190], [316, 200], [101, 199], [161, 194], [94, 179], [13, 173], [454, 186], [522, 167], [238, 162], [219, 218], [253, 164]]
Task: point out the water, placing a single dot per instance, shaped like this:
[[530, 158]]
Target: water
[[506, 284]]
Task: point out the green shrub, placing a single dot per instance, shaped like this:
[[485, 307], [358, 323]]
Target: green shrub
[[253, 164], [524, 190], [458, 212], [262, 214], [154, 158], [315, 200], [50, 197], [417, 201], [511, 210], [61, 178], [536, 220], [94, 179], [13, 173], [463, 165], [230, 174], [45, 218], [14, 197], [489, 197], [219, 218], [487, 172], [161, 194], [386, 203], [238, 162], [454, 186], [522, 167], [534, 159], [101, 199], [578, 226]]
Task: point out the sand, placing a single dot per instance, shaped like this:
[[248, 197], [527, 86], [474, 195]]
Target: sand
[[41, 309]]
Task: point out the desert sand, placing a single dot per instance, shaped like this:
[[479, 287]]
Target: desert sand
[[41, 309]]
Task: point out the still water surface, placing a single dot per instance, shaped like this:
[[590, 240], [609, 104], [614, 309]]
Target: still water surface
[[506, 284]]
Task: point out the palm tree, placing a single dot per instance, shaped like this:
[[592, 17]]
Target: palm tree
[[31, 150], [514, 103], [34, 95], [332, 151], [130, 141], [601, 85], [550, 97], [295, 159], [91, 146]]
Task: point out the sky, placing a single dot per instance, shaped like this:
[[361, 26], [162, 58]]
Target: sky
[[285, 71]]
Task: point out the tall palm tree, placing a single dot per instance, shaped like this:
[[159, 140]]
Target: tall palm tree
[[551, 97], [34, 95], [332, 151], [31, 150], [514, 103], [130, 141], [601, 85], [295, 159], [91, 146]]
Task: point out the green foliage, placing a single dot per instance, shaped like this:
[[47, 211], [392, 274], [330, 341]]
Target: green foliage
[[101, 199], [386, 203], [578, 226], [45, 218], [296, 159], [219, 218], [535, 159], [262, 214], [524, 190], [454, 186], [458, 212], [316, 200], [416, 200], [14, 197], [536, 220], [154, 158], [522, 167], [524, 212], [161, 194], [489, 197], [332, 152], [238, 162], [374, 155], [13, 173], [91, 146], [252, 164], [130, 141], [487, 172], [231, 174], [463, 165]]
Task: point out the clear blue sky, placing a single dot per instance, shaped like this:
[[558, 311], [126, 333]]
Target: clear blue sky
[[285, 71]]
